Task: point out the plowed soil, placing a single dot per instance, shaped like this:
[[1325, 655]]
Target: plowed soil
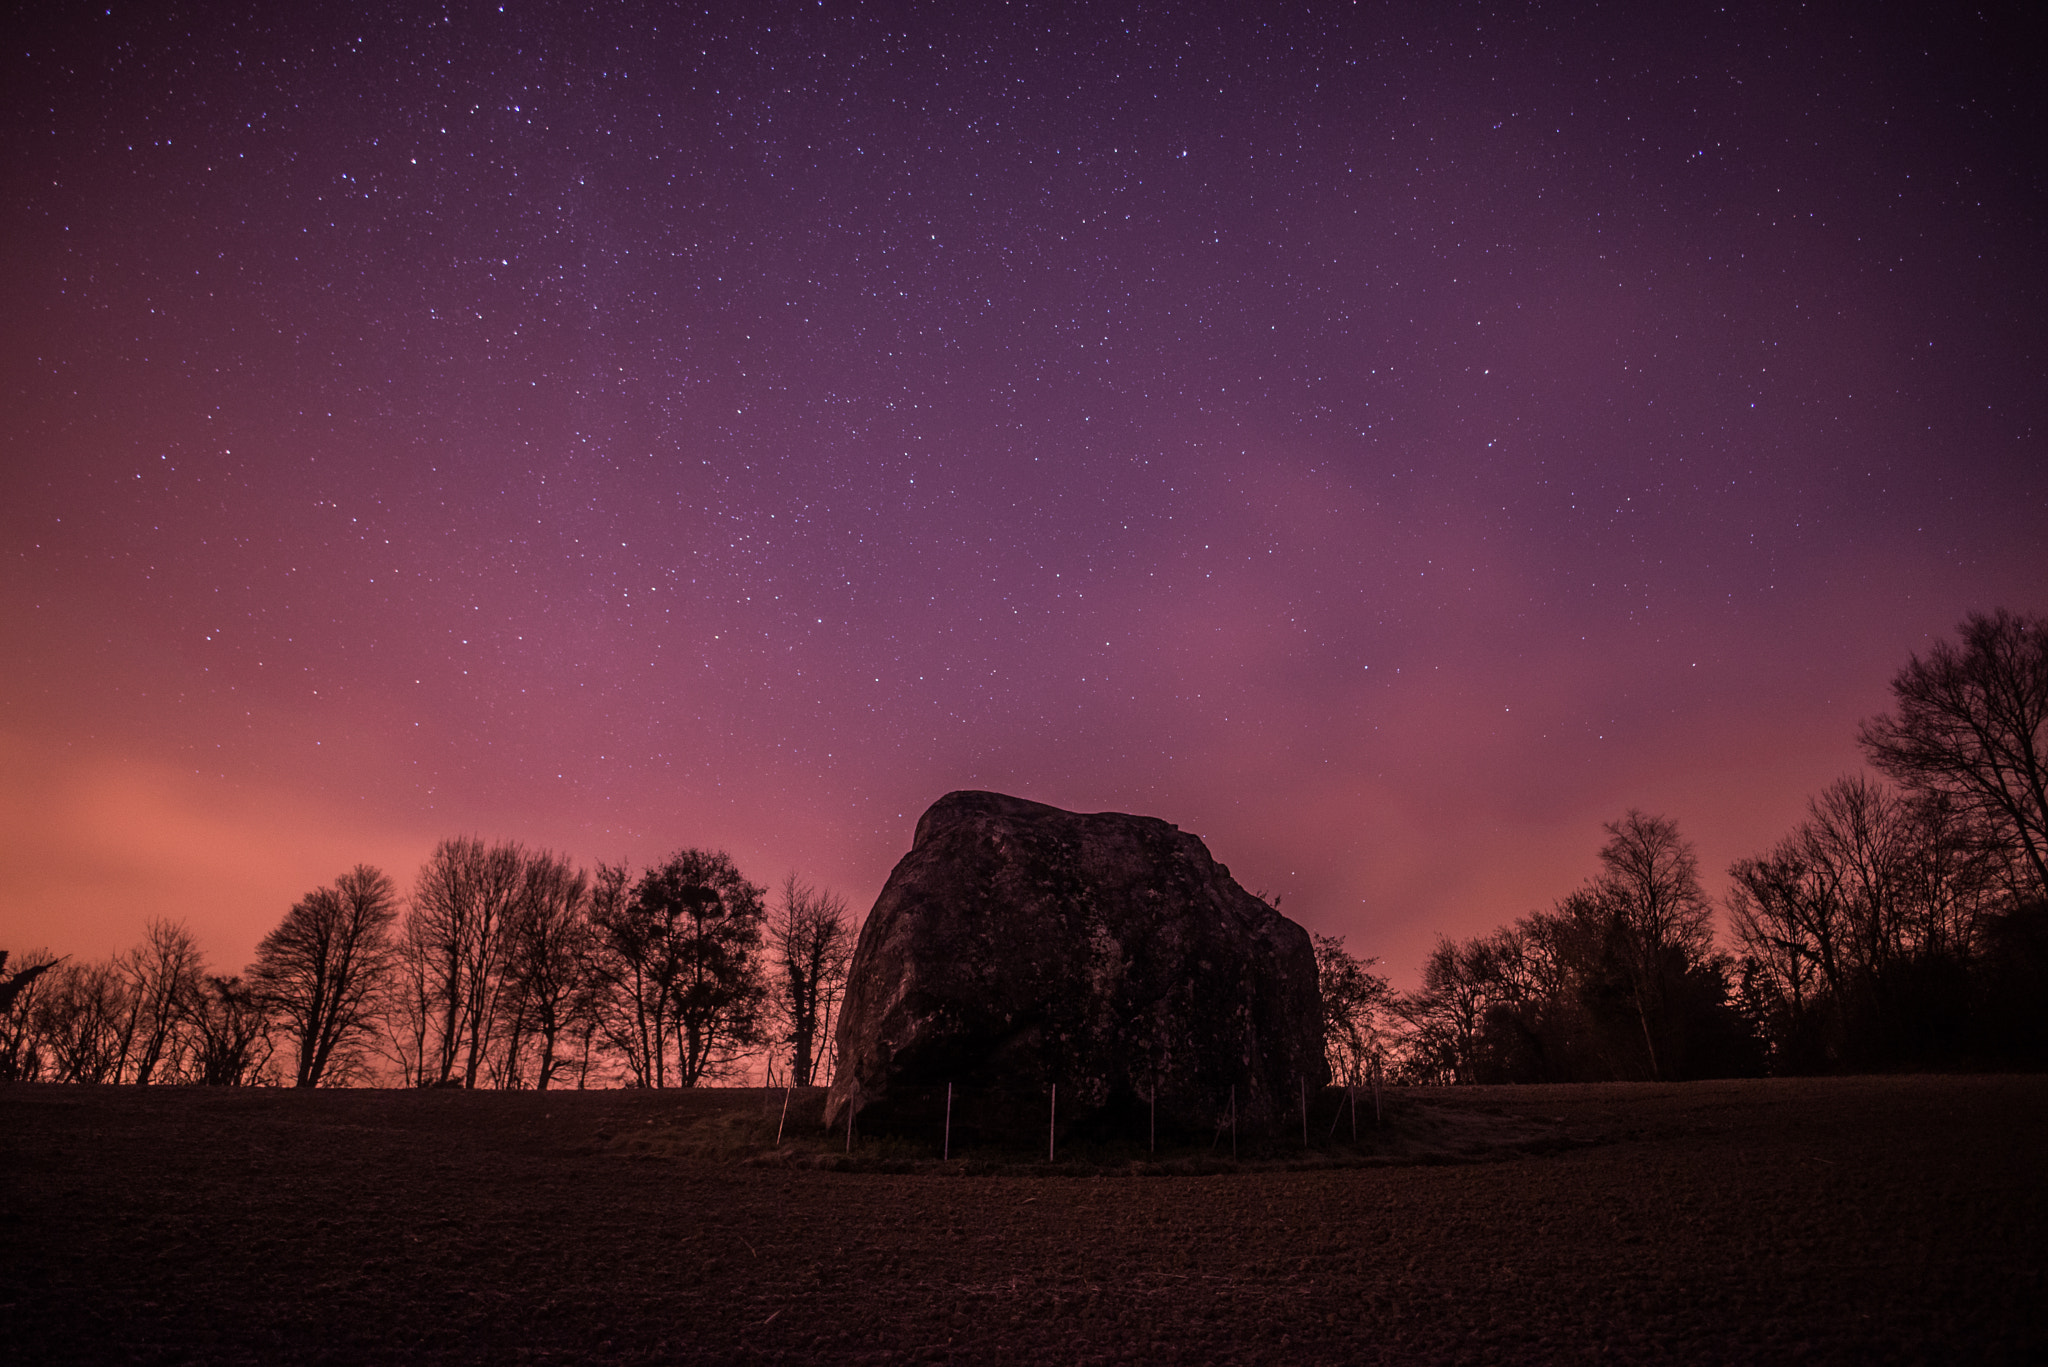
[[1845, 1220]]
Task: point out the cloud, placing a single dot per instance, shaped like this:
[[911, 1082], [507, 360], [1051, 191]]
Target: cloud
[[100, 844]]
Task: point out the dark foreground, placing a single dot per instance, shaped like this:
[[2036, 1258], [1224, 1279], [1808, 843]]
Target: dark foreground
[[1853, 1220]]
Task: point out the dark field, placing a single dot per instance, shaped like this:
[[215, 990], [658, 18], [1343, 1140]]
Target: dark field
[[1851, 1220]]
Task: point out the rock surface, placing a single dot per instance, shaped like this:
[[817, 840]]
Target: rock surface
[[1018, 947]]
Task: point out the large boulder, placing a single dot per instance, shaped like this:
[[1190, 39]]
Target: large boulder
[[1018, 947]]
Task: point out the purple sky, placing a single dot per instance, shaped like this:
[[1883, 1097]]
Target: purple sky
[[1385, 441]]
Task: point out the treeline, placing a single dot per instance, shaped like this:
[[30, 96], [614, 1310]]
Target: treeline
[[1902, 924], [1620, 979], [505, 967]]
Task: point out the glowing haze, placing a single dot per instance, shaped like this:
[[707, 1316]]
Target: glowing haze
[[1387, 442]]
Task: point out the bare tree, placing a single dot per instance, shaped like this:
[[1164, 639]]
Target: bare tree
[[22, 979], [464, 899], [1863, 836], [323, 967], [1501, 1007], [1951, 891], [1656, 918], [547, 964], [1445, 1017], [635, 968], [163, 974], [1872, 891], [1969, 724], [1787, 914], [233, 1033], [811, 943], [1619, 980], [599, 1009], [405, 1006], [85, 1019], [1356, 1008], [22, 1049]]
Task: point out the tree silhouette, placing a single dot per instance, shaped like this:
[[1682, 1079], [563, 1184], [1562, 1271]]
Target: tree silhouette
[[84, 1019], [19, 982], [163, 974], [720, 992], [547, 965], [635, 966], [323, 966], [1648, 909], [812, 943], [680, 961], [1969, 725], [1619, 980], [232, 1029], [21, 1044], [1861, 925], [462, 904], [1356, 1003]]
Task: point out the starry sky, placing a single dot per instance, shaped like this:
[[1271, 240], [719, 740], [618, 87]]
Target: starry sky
[[1387, 441]]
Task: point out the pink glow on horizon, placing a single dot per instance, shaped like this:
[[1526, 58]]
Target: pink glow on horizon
[[1385, 454]]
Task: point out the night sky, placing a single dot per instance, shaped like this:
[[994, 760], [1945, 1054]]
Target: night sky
[[1385, 441]]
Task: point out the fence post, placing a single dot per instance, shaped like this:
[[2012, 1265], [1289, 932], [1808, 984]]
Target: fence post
[[785, 1114], [1152, 1105], [946, 1153]]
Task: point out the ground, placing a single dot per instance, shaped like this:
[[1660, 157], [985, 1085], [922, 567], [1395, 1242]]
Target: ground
[[1840, 1220]]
